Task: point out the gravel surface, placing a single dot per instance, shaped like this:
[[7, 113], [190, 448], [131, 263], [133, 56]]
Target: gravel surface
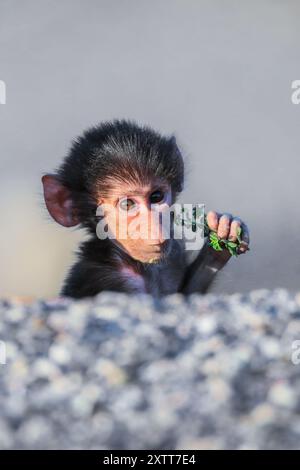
[[121, 372]]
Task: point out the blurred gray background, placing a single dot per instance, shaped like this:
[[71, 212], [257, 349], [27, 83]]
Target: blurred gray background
[[216, 73]]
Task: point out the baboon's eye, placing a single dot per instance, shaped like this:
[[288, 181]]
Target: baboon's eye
[[157, 196], [127, 204]]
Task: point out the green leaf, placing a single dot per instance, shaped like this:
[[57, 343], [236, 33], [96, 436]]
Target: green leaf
[[231, 244], [213, 236], [230, 250]]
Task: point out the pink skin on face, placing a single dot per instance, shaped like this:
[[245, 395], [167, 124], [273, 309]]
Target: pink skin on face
[[126, 206]]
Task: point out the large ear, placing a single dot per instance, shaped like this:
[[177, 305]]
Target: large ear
[[59, 202]]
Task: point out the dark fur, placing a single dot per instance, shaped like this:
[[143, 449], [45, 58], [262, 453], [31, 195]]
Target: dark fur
[[99, 268]]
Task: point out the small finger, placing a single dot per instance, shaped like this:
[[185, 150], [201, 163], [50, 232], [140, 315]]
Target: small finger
[[235, 224], [224, 225], [212, 220]]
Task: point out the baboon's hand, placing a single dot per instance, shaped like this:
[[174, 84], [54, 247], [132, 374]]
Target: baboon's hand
[[227, 227]]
